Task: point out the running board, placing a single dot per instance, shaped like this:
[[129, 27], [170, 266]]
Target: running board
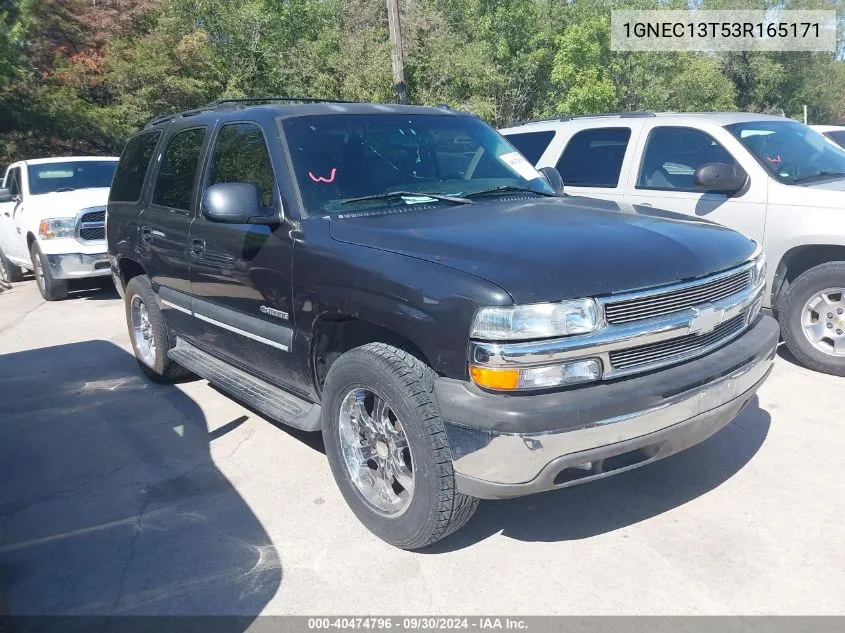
[[258, 394]]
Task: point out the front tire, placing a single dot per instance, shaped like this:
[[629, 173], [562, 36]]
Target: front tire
[[151, 338], [387, 447], [812, 318], [51, 289], [9, 272]]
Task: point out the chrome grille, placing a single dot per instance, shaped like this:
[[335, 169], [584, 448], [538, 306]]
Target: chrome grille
[[91, 225], [659, 303], [676, 349]]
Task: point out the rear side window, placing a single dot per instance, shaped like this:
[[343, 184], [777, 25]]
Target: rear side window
[[240, 155], [531, 144], [132, 168], [176, 176], [593, 158]]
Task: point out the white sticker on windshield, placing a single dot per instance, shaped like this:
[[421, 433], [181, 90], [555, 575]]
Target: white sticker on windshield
[[515, 161]]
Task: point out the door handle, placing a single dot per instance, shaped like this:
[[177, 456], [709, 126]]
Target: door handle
[[146, 235], [197, 248]]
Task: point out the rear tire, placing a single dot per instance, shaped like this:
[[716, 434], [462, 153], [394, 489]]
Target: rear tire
[[9, 272], [812, 318], [148, 332], [51, 289], [379, 373]]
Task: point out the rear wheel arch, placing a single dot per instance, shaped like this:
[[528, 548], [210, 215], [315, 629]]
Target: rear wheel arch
[[129, 268]]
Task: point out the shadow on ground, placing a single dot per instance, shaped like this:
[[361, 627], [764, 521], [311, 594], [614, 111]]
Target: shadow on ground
[[96, 289], [312, 440], [109, 500], [622, 500]]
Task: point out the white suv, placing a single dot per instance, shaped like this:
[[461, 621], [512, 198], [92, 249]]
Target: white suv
[[771, 178], [52, 221]]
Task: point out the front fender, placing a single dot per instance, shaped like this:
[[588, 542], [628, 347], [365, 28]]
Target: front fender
[[428, 304]]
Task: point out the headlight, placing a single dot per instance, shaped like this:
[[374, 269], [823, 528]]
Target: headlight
[[543, 377], [57, 227], [540, 320]]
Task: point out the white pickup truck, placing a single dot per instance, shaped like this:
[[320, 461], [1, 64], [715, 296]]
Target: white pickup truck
[[772, 178], [52, 221]]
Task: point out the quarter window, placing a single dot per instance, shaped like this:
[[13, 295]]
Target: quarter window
[[531, 144], [593, 158], [175, 183], [837, 136], [132, 168], [13, 181], [240, 155], [672, 155]]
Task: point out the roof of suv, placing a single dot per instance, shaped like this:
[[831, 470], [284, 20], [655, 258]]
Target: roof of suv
[[719, 118], [302, 109]]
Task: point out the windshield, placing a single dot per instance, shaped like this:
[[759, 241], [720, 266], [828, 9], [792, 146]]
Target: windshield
[[340, 159], [81, 174], [790, 151]]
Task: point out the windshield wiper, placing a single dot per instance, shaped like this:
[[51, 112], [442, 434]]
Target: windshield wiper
[[505, 189], [401, 195], [819, 174]]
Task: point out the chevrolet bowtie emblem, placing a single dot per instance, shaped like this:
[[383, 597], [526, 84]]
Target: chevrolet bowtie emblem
[[705, 320]]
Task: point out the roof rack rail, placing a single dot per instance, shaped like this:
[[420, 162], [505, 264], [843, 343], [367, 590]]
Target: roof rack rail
[[219, 104], [622, 115], [636, 114]]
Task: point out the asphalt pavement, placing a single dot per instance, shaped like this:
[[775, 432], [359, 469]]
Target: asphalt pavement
[[119, 496]]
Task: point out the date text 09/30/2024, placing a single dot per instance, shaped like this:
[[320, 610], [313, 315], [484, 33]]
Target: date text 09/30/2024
[[418, 623]]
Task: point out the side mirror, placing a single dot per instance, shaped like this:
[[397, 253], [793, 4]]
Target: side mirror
[[5, 195], [236, 203], [720, 177], [554, 178]]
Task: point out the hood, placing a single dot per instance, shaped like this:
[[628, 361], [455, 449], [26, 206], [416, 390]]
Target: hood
[[829, 185], [827, 194], [547, 249], [68, 203]]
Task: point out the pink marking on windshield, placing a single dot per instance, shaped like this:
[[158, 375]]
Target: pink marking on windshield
[[321, 179]]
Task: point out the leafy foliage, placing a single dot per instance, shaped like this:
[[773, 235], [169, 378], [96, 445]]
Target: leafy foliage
[[79, 76]]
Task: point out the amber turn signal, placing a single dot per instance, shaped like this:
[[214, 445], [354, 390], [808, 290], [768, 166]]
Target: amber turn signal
[[494, 378]]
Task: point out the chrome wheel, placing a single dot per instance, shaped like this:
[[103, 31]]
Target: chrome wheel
[[376, 452], [142, 332], [823, 321], [4, 275]]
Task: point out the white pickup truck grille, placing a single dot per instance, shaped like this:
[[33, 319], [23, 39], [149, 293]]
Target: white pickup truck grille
[[91, 225]]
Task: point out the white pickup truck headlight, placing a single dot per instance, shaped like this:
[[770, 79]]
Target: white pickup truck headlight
[[540, 320], [56, 227]]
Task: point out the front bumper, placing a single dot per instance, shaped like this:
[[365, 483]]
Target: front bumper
[[508, 446], [78, 265]]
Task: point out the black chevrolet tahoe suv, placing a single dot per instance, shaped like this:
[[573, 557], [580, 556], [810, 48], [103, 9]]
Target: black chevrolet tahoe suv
[[401, 279]]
